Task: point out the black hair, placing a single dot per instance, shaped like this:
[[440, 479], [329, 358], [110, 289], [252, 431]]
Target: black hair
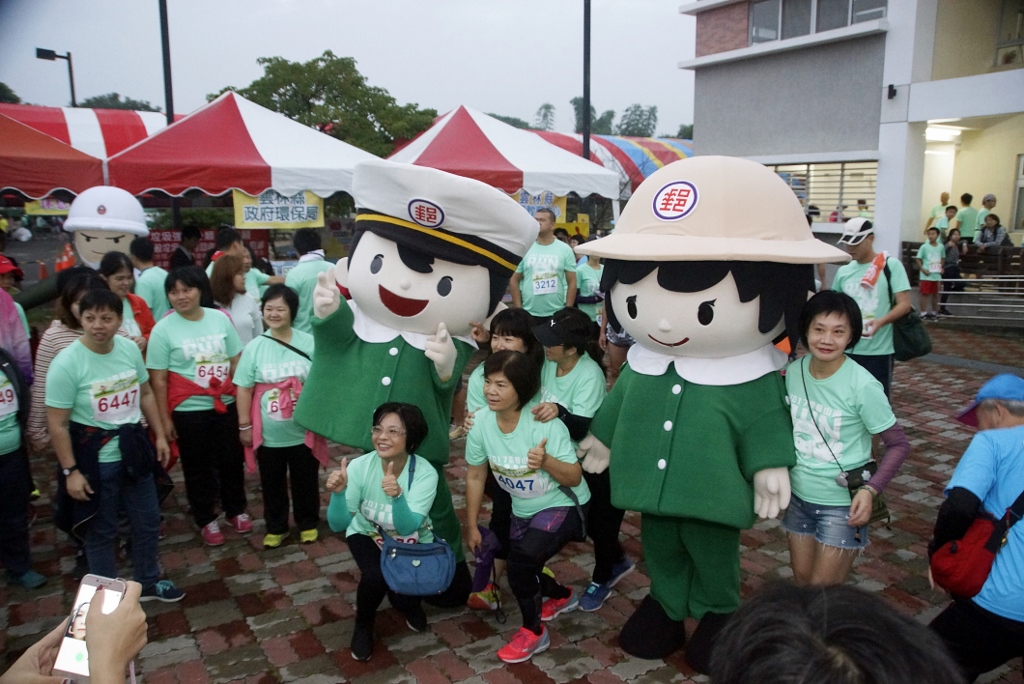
[[951, 231], [142, 249], [547, 210], [191, 276], [967, 198], [832, 302], [561, 231], [951, 206], [993, 216], [100, 300], [520, 370], [282, 291], [226, 237], [190, 231], [306, 240], [782, 288], [579, 332], [112, 262], [420, 258], [935, 228], [64, 277], [82, 281], [827, 635], [415, 424], [518, 323]]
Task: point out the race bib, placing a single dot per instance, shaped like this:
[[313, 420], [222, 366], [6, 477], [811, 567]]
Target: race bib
[[8, 397], [115, 402], [209, 366], [935, 264], [545, 284], [413, 538], [522, 482], [274, 405]]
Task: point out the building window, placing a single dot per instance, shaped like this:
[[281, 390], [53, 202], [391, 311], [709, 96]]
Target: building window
[[775, 19], [1010, 45], [833, 193]]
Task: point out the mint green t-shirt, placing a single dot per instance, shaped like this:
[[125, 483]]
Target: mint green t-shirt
[[589, 282], [102, 390], [931, 257], [256, 283], [848, 408], [543, 269], [873, 302], [475, 390], [128, 322], [302, 279], [979, 222], [10, 428], [968, 217], [580, 391], [532, 491], [265, 361], [150, 286], [198, 350], [24, 321], [370, 506]]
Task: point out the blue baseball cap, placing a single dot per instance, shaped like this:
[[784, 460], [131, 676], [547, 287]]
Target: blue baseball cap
[[1004, 386]]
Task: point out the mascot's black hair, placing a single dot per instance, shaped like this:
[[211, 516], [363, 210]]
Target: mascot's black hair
[[420, 258], [783, 288]]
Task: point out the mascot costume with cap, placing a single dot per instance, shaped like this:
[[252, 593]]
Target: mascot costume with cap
[[104, 219], [432, 252], [710, 263]]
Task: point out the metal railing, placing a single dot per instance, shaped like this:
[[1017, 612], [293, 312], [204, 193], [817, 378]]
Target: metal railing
[[992, 300]]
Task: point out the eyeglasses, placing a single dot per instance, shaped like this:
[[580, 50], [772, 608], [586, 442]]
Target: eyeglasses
[[391, 433]]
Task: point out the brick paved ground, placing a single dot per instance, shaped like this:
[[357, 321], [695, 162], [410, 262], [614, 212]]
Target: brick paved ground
[[285, 615]]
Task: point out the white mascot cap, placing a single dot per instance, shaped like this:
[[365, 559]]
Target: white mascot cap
[[107, 208]]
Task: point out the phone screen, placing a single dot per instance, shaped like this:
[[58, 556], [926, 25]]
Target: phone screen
[[72, 658]]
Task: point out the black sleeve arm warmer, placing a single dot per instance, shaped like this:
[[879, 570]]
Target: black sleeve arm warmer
[[955, 517], [578, 425]]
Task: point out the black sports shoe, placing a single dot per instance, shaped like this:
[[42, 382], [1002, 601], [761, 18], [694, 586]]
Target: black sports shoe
[[362, 642], [416, 619]]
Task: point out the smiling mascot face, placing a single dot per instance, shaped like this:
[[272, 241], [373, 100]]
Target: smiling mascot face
[[417, 292]]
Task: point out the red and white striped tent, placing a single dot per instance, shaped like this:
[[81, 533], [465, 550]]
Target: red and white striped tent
[[37, 165], [100, 133], [469, 143], [232, 143]]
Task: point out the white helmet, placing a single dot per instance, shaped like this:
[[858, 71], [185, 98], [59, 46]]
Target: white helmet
[[107, 208]]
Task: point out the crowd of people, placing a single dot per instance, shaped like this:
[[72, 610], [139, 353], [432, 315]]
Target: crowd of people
[[137, 373]]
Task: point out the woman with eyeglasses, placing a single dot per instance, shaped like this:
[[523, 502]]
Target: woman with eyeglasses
[[393, 488]]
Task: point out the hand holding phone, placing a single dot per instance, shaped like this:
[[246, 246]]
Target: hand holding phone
[[73, 657], [114, 639]]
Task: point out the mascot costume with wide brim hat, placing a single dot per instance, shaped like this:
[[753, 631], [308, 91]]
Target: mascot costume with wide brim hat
[[432, 252], [104, 219], [710, 263]]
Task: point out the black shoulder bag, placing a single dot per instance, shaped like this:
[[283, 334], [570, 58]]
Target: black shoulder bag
[[909, 338]]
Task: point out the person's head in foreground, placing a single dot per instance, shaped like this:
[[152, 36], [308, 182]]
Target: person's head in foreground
[[827, 635], [998, 404]]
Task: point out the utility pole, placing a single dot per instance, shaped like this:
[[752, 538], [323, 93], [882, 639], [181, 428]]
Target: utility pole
[[165, 40]]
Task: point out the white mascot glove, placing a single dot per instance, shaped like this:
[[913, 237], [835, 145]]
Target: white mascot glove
[[771, 492], [441, 350], [326, 298], [593, 455]]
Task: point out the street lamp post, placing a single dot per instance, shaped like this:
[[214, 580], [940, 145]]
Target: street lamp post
[[51, 56], [586, 79]]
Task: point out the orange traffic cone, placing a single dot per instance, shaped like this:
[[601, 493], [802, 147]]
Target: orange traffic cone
[[65, 260], [43, 273]]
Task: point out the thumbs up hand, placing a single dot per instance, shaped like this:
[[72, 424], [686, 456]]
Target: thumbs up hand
[[338, 480], [537, 456], [390, 482]]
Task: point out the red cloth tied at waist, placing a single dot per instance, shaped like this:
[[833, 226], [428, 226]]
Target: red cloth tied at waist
[[290, 390], [180, 388]]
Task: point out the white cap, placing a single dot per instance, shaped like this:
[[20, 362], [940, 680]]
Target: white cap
[[443, 212], [855, 230], [107, 208]]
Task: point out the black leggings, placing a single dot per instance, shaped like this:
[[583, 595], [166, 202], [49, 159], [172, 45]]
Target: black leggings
[[603, 523], [278, 465], [212, 461], [526, 559], [372, 587]]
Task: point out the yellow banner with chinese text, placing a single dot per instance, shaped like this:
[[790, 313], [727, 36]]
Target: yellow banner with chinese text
[[271, 209]]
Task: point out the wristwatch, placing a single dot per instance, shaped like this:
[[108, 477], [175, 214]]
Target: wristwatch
[[68, 471]]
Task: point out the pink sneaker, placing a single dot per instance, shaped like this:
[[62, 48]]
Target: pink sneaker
[[241, 522], [212, 534]]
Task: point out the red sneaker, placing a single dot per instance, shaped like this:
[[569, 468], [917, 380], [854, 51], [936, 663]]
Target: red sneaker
[[212, 534], [552, 608], [241, 522], [524, 645]]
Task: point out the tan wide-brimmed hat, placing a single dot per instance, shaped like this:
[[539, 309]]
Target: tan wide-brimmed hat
[[714, 209]]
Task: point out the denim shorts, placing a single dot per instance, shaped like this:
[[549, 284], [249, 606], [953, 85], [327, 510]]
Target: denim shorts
[[827, 524]]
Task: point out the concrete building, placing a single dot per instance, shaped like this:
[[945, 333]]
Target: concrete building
[[887, 101]]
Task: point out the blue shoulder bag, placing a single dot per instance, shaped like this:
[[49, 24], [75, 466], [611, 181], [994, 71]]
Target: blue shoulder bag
[[419, 569]]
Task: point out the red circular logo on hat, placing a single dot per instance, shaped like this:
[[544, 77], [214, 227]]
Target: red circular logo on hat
[[101, 210], [675, 200], [426, 213]]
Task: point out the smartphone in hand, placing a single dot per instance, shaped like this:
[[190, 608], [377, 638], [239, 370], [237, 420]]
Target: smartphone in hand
[[73, 658]]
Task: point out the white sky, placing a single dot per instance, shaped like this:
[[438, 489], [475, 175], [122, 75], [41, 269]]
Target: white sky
[[502, 57]]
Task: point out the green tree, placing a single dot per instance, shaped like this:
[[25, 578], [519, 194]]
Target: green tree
[[7, 95], [685, 132], [601, 125], [545, 119], [329, 93], [114, 101], [510, 120], [638, 120]]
